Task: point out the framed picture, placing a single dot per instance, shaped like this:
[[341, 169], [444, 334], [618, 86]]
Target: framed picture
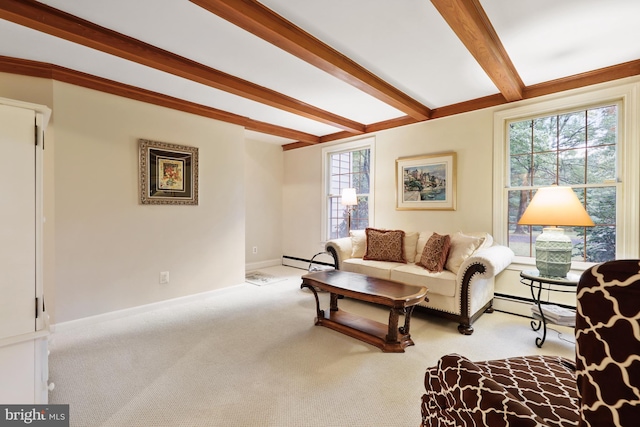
[[426, 182], [168, 173]]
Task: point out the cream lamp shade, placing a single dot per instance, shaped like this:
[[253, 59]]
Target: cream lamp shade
[[555, 206], [349, 197]]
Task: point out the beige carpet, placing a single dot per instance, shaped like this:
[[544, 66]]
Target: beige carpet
[[251, 356]]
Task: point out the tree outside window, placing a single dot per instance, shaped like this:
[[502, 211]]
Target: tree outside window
[[577, 149]]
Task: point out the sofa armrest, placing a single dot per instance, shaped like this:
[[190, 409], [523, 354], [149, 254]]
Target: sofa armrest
[[475, 281], [340, 250], [491, 261]]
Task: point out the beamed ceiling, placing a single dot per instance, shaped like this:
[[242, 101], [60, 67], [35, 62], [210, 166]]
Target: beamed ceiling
[[303, 72]]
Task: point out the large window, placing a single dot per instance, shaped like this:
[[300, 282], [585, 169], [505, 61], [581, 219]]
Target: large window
[[577, 149], [588, 140], [349, 167]]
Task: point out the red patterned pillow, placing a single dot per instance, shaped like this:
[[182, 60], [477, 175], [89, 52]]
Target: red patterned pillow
[[385, 245], [435, 252]]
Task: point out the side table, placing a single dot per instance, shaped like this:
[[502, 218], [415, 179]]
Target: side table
[[537, 284]]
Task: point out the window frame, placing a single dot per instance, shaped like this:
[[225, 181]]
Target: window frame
[[366, 143], [628, 175]]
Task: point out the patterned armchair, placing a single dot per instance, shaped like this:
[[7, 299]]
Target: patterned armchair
[[602, 389]]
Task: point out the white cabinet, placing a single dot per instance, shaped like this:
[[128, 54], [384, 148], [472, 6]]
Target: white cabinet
[[24, 325]]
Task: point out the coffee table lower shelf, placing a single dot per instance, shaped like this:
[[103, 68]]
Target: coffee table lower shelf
[[363, 329], [400, 298]]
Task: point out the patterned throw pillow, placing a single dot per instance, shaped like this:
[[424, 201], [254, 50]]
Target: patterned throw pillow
[[435, 252], [385, 245]]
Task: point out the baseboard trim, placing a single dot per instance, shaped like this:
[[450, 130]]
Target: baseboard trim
[[516, 305], [302, 263], [117, 314]]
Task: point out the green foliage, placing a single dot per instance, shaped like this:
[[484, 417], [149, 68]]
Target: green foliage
[[576, 149]]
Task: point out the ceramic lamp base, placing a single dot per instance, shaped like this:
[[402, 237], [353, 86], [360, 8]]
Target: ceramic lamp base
[[553, 252]]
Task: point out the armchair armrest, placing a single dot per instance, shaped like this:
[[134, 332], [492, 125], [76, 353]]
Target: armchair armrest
[[340, 250]]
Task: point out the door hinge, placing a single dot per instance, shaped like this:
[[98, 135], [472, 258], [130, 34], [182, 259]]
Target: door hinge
[[37, 314], [35, 134]]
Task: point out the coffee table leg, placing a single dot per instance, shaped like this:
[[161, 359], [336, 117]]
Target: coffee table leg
[[333, 304], [392, 335], [407, 320]]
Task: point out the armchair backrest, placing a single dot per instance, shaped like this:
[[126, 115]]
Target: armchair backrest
[[608, 344]]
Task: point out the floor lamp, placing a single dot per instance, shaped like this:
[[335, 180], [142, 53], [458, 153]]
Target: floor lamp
[[349, 199]]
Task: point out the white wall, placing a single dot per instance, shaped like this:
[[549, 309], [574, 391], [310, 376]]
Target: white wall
[[263, 183], [469, 135], [103, 250], [109, 248]]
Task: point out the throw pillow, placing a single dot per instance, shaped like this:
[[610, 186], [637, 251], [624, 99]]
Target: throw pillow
[[358, 243], [385, 245], [422, 240], [462, 246], [435, 252]]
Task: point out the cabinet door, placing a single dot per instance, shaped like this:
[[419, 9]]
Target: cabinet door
[[17, 221]]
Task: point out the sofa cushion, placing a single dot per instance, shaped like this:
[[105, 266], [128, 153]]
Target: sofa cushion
[[358, 243], [378, 269], [385, 245], [488, 238], [462, 247], [435, 252], [442, 283], [410, 243]]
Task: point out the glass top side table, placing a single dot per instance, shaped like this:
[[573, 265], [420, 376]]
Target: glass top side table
[[537, 284]]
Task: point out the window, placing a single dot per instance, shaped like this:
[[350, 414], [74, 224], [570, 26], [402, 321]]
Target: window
[[576, 149], [347, 167], [588, 141]]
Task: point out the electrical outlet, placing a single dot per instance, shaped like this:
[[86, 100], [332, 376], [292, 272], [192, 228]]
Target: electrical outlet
[[255, 249], [164, 277]]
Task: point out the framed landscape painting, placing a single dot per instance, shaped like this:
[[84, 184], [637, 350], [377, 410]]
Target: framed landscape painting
[[426, 182], [168, 173]]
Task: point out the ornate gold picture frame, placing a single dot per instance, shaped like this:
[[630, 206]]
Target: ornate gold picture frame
[[168, 173]]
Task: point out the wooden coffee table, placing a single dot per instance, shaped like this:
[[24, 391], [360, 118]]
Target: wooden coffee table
[[399, 297]]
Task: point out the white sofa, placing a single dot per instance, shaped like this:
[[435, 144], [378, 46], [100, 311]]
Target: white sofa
[[462, 291]]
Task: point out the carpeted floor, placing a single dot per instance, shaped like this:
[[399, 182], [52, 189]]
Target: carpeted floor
[[251, 356]]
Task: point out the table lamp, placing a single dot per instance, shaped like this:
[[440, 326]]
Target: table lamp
[[552, 207], [349, 199]]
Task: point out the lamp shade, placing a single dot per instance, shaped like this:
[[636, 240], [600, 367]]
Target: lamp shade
[[349, 197], [556, 206]]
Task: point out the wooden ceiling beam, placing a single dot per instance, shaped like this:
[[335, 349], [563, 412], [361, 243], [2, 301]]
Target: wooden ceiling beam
[[39, 69], [254, 17], [472, 26], [589, 78], [57, 23]]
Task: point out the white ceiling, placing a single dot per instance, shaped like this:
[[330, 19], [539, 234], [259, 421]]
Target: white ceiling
[[406, 43]]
